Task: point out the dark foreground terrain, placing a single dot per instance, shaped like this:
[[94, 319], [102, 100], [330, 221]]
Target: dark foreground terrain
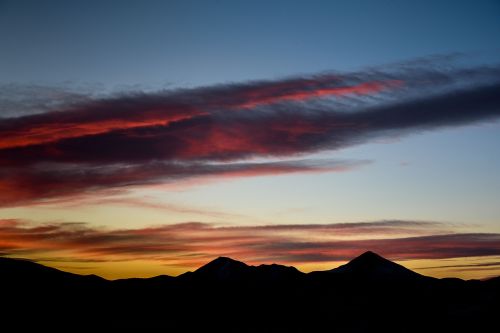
[[369, 294]]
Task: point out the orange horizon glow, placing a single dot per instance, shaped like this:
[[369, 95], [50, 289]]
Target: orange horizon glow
[[174, 249], [113, 270]]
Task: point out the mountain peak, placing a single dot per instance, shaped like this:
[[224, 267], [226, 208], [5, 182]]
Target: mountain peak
[[222, 268], [225, 260], [370, 265], [222, 263], [370, 257], [370, 254], [227, 269]]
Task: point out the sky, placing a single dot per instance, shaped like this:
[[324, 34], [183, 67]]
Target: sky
[[140, 138]]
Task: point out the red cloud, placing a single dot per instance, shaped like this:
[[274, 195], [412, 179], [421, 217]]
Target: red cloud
[[111, 115], [145, 139], [90, 120], [301, 95]]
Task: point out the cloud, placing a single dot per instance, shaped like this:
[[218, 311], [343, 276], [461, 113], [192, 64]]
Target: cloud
[[17, 100], [149, 138], [146, 202], [485, 266], [138, 110], [44, 183], [191, 244], [421, 247]]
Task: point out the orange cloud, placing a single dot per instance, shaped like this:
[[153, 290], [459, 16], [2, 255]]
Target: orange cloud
[[190, 244]]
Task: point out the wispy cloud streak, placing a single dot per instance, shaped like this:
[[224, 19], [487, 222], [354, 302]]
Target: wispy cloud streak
[[190, 244], [43, 183]]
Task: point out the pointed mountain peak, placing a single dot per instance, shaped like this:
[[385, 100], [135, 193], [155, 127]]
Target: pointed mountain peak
[[370, 254], [225, 260], [370, 257], [222, 268], [370, 265], [222, 263]]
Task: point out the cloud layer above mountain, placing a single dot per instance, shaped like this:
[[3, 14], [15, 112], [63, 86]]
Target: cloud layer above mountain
[[192, 244]]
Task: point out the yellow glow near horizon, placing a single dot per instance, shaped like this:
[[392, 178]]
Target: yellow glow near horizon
[[438, 268]]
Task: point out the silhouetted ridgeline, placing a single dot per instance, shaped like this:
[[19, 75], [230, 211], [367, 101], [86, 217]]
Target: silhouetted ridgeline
[[368, 294]]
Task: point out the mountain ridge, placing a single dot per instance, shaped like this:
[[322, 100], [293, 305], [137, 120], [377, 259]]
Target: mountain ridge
[[368, 265], [357, 297]]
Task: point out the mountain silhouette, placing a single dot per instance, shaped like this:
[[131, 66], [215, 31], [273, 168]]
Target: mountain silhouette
[[17, 271], [368, 294], [227, 269], [223, 268], [371, 266]]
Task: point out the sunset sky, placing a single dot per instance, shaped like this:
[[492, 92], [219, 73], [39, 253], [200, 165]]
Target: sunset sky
[[140, 138]]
